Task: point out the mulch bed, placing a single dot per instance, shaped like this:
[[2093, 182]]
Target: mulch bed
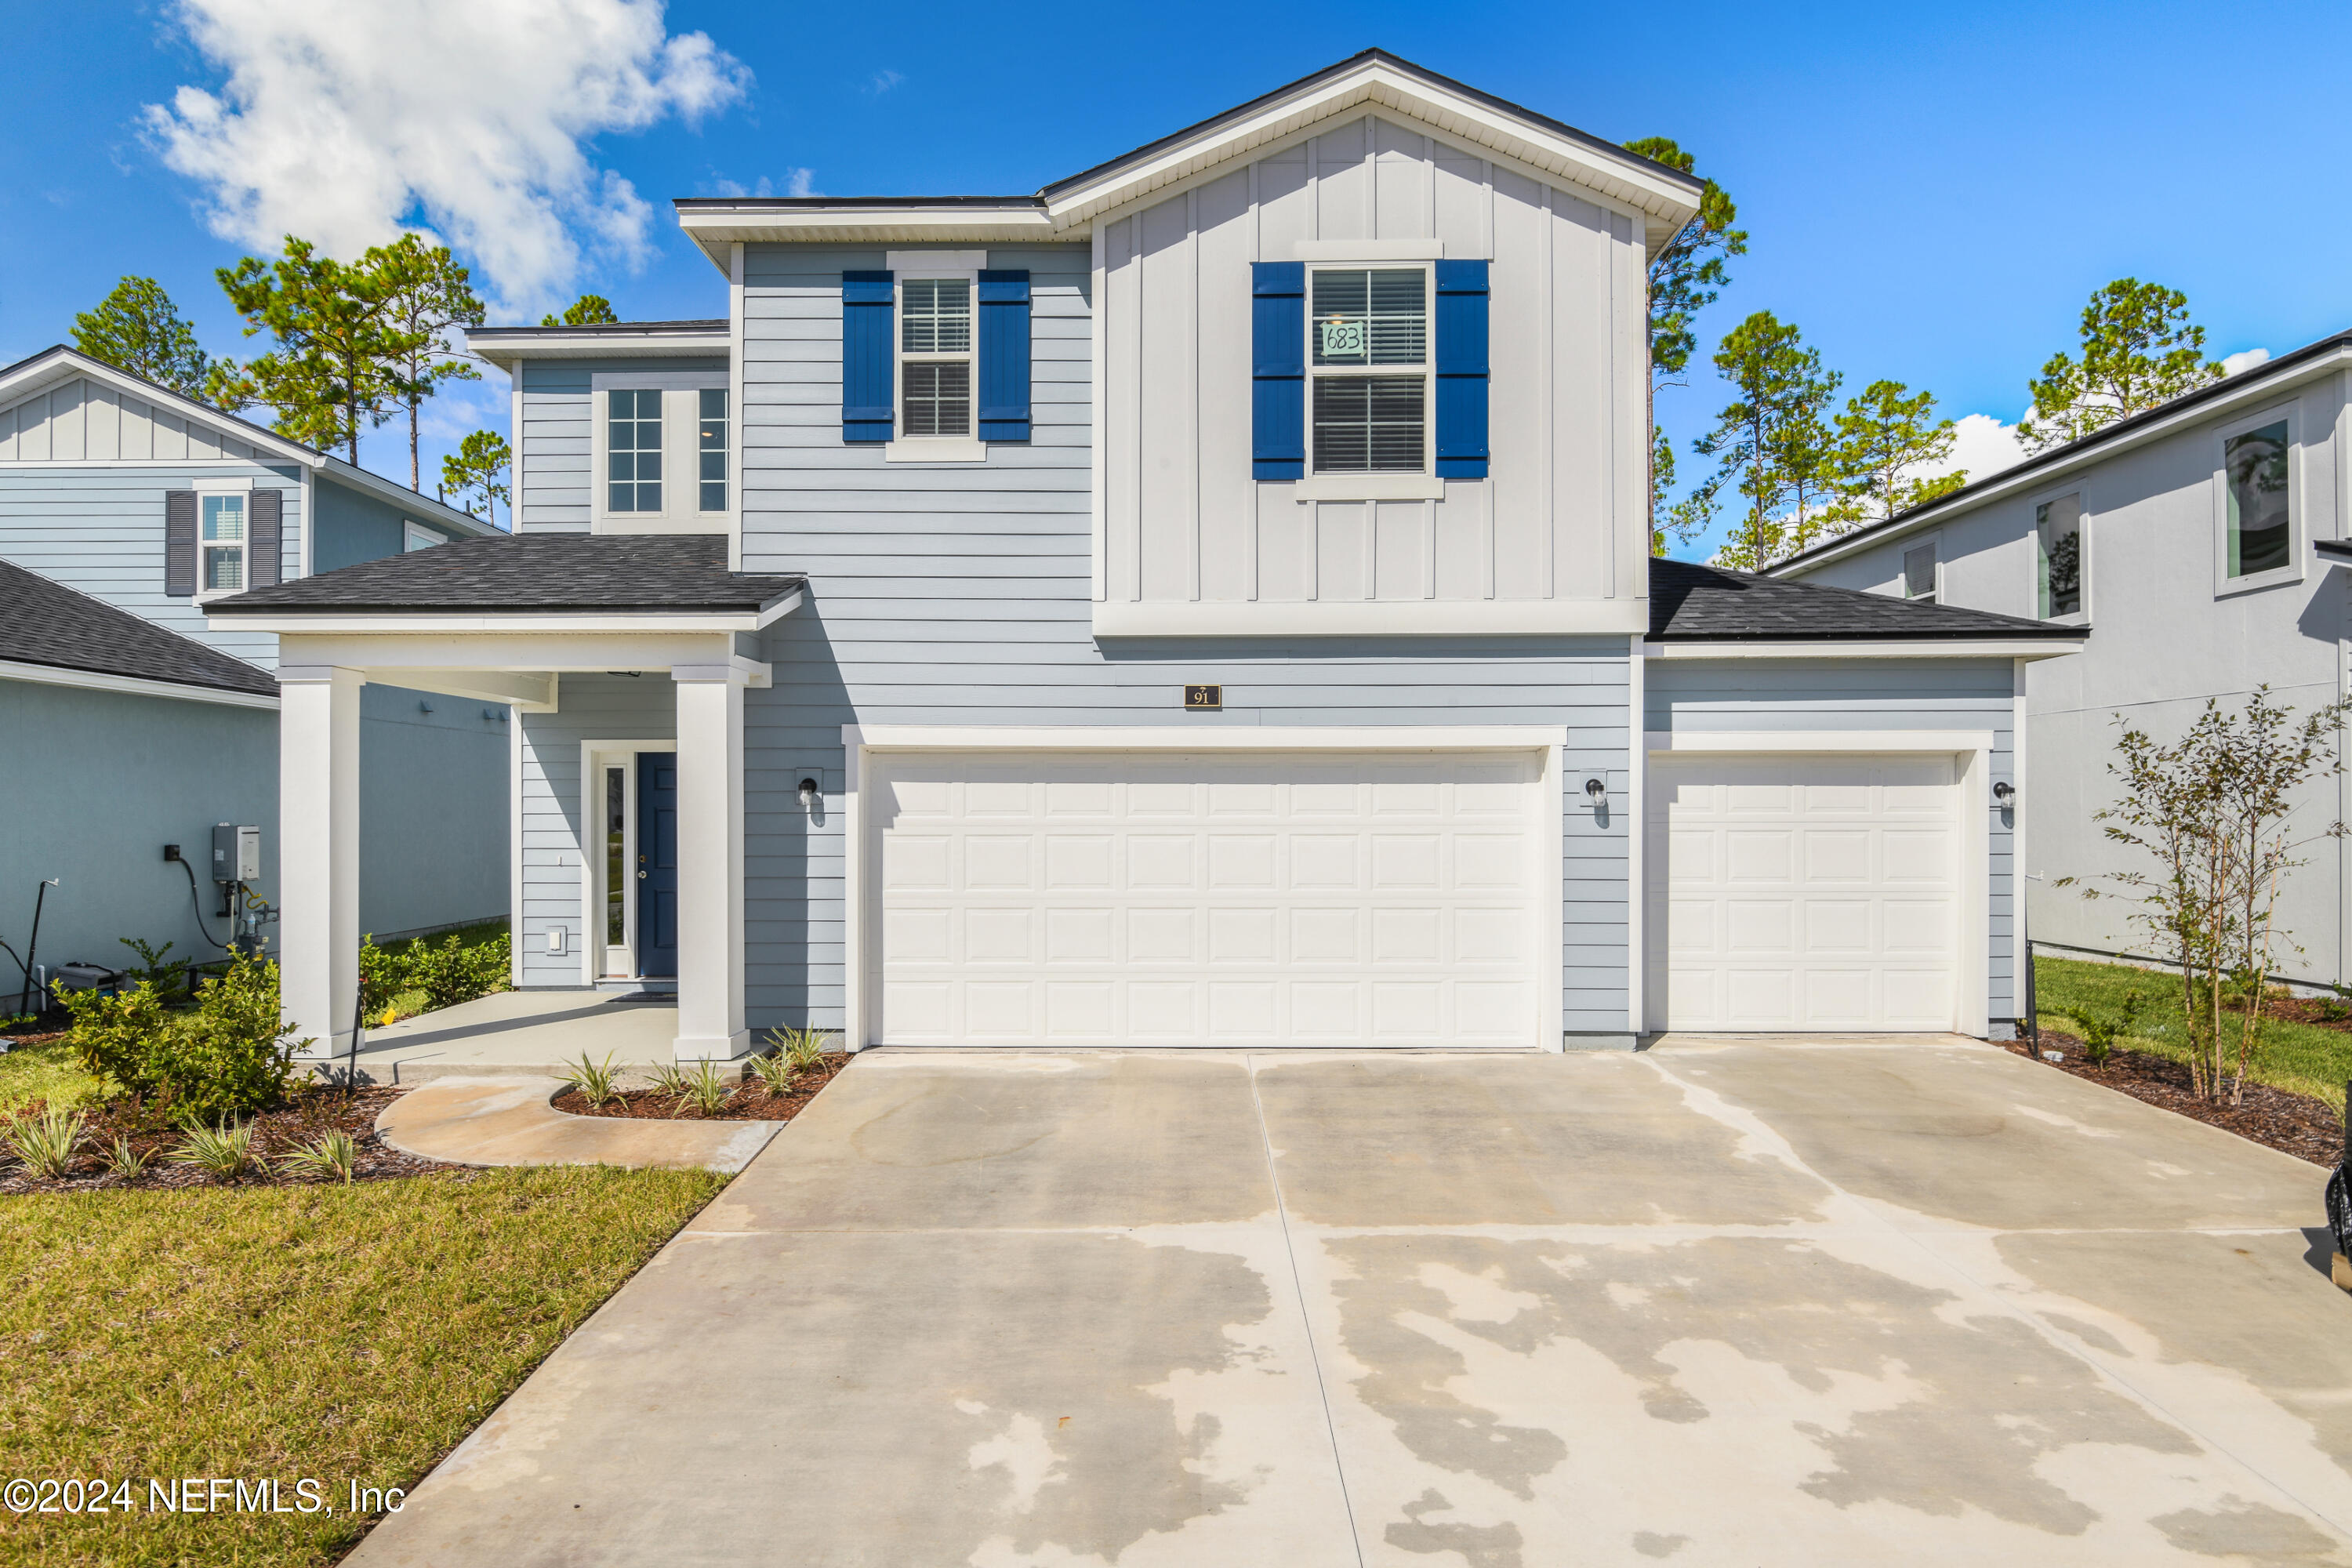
[[309, 1111], [2280, 1119], [750, 1102]]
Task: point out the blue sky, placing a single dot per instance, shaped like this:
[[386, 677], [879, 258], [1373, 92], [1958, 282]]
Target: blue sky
[[1931, 195]]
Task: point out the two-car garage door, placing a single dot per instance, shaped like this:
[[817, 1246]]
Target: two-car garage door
[[1805, 892], [1192, 899]]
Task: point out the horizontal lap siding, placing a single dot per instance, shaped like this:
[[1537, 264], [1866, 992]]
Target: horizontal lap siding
[[557, 442], [593, 707], [962, 595], [1856, 694], [100, 530]]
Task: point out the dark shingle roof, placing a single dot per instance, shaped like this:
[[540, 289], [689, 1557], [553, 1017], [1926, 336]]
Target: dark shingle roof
[[532, 573], [1690, 602], [47, 623]]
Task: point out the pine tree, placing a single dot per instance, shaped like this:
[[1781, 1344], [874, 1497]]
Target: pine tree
[[588, 310], [332, 371], [2139, 348], [1683, 278], [138, 329], [479, 468], [1885, 436], [1772, 442], [425, 293]]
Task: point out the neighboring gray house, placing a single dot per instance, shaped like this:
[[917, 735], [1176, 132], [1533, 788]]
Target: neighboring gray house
[[128, 723], [2199, 548], [1206, 602]]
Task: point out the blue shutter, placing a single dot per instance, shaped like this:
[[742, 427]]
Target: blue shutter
[[868, 401], [1461, 370], [1279, 370], [1004, 355]]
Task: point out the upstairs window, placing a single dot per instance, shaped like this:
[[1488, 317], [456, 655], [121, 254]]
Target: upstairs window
[[712, 448], [2254, 480], [632, 432], [223, 527], [935, 356], [2058, 557], [1367, 353], [1919, 574], [415, 536]]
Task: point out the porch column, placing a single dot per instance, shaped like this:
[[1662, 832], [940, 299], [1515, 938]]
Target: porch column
[[710, 861], [319, 853]]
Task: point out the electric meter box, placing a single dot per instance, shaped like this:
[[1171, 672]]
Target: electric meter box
[[236, 853]]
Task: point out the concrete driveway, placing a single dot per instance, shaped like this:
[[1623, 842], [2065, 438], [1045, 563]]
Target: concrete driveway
[[1721, 1303]]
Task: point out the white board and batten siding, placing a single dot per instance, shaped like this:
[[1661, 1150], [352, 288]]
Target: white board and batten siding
[[1559, 517], [83, 472], [1818, 890]]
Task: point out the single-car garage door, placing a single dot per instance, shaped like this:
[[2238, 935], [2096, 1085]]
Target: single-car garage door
[[1206, 900], [1805, 892]]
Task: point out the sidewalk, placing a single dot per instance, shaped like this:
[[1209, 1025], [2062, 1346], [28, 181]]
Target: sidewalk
[[476, 1119]]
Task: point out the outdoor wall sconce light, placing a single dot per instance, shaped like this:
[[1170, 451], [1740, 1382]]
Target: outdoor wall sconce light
[[2004, 796], [808, 795], [1595, 791]]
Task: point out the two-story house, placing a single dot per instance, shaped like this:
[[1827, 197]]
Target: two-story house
[[2198, 550], [127, 722], [1205, 601]]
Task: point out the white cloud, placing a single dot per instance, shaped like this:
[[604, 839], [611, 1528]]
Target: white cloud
[[347, 121], [797, 183], [2244, 359], [884, 80], [1981, 446]]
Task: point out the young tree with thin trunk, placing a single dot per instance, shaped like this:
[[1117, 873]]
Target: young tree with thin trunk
[[1885, 436], [479, 468], [425, 293], [1771, 441], [331, 374], [2139, 348], [1683, 278]]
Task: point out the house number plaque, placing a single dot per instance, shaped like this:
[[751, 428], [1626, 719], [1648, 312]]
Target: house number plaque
[[1204, 697]]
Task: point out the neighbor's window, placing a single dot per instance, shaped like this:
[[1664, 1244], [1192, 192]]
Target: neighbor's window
[[2058, 556], [223, 543], [2255, 472], [633, 450], [713, 453], [616, 868], [414, 537], [935, 356], [1919, 574], [1368, 336]]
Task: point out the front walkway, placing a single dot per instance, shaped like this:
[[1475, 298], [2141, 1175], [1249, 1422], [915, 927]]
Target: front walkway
[[511, 1031], [1722, 1303], [468, 1120]]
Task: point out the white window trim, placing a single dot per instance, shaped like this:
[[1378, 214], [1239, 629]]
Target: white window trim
[[1972, 997], [905, 264], [2224, 586], [1902, 572], [242, 486], [414, 535], [862, 901], [672, 517], [595, 756], [2034, 505], [1422, 486]]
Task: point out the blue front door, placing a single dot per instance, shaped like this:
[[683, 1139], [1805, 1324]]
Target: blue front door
[[658, 863]]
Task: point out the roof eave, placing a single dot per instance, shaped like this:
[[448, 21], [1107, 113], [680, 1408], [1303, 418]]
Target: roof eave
[[509, 346]]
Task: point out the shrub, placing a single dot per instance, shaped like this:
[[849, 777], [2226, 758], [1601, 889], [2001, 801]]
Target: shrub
[[231, 1056], [776, 1071], [804, 1048], [598, 1082], [2100, 1030], [445, 975], [225, 1152], [46, 1143], [707, 1091], [169, 978], [666, 1078], [123, 1159], [334, 1154]]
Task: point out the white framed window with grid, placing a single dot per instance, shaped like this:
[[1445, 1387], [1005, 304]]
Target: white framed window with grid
[[1370, 370], [664, 449], [935, 352], [224, 537]]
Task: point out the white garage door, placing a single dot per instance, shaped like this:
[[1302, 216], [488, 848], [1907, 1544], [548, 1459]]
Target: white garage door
[[1279, 900], [1805, 892]]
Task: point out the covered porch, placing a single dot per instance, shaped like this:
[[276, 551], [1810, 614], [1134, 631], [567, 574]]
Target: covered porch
[[510, 620], [533, 1031]]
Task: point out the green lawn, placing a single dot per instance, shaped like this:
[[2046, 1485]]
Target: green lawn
[[2301, 1056], [342, 1334], [44, 1072]]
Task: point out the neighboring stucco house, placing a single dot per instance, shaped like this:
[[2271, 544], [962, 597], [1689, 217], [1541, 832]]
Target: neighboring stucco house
[[127, 722], [1206, 602], [2198, 549]]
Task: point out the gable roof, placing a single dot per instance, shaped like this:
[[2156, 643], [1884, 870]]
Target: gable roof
[[613, 573], [59, 628], [59, 365], [1666, 198], [2210, 401], [1690, 603]]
